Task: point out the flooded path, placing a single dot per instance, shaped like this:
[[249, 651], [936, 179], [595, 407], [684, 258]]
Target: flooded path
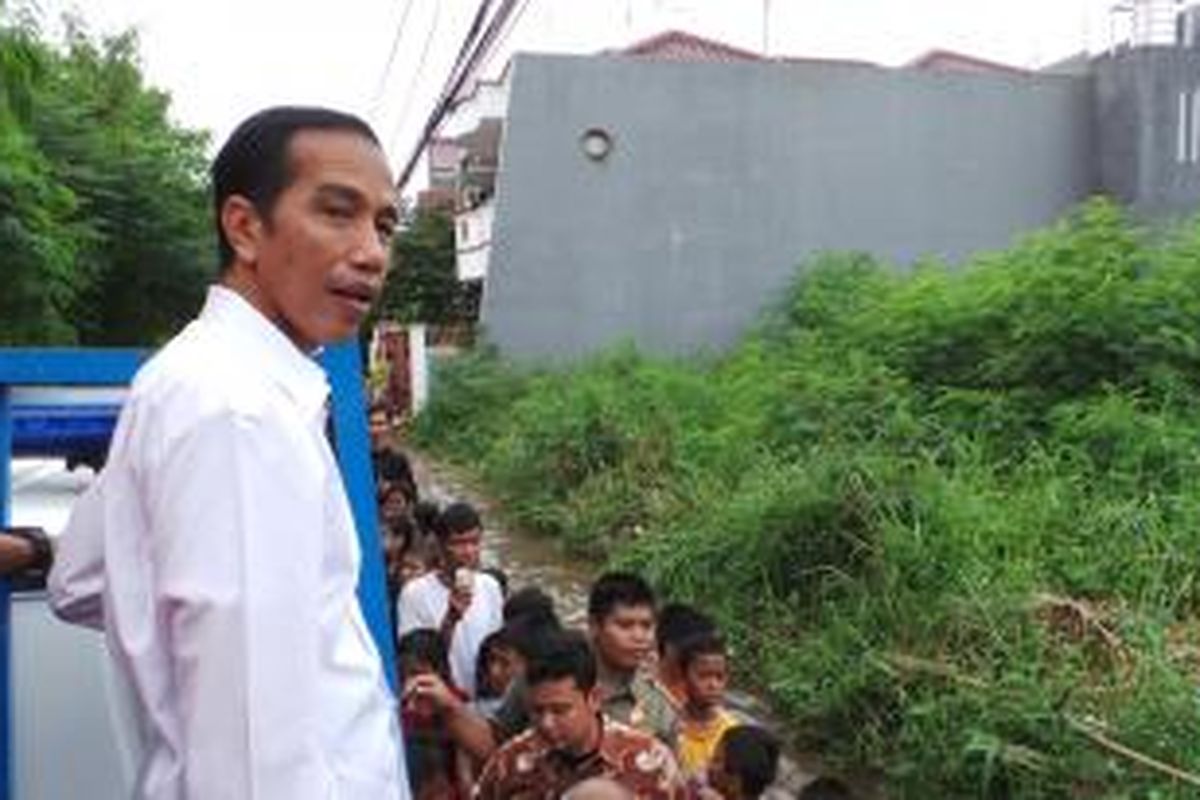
[[526, 560]]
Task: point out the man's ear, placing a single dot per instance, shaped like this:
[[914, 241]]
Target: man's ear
[[242, 226], [595, 699]]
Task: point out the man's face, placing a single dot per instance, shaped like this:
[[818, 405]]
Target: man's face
[[625, 637], [377, 424], [706, 678], [565, 716], [319, 260], [462, 549]]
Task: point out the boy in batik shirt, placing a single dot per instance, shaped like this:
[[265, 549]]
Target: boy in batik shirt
[[571, 740]]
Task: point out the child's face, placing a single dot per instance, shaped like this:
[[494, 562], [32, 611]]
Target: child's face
[[706, 678], [411, 566], [377, 424], [394, 505], [503, 665], [625, 637]]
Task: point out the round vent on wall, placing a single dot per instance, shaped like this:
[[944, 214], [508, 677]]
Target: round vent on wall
[[597, 143]]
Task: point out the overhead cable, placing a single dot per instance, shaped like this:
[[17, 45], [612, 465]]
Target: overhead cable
[[415, 83], [455, 82], [391, 58]]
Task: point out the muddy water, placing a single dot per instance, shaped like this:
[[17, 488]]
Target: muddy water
[[526, 560], [532, 561]]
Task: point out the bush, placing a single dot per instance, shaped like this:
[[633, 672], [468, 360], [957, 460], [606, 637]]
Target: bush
[[948, 516]]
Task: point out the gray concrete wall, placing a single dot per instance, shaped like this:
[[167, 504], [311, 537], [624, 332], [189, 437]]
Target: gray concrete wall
[[725, 176], [1137, 116]]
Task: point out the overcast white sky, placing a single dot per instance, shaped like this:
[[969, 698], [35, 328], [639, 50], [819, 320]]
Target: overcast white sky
[[223, 59]]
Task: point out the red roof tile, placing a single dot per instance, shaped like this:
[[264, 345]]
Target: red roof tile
[[681, 46], [950, 61]]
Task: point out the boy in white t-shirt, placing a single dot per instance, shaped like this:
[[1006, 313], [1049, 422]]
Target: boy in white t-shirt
[[462, 603]]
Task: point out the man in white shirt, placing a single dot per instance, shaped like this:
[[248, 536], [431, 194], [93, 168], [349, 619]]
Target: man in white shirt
[[458, 600], [217, 548]]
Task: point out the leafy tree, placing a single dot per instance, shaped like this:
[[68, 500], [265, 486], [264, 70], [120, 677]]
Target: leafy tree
[[423, 285], [139, 182], [21, 61], [37, 239], [103, 218]]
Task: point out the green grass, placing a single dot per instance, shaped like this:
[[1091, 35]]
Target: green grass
[[946, 514]]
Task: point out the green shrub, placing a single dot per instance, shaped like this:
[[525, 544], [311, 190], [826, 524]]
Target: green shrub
[[949, 517]]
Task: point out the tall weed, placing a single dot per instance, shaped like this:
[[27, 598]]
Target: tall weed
[[950, 516]]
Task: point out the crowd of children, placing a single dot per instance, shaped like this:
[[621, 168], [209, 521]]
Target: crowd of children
[[500, 699]]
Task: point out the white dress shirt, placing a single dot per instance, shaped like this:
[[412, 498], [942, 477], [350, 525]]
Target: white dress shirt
[[218, 552], [423, 603]]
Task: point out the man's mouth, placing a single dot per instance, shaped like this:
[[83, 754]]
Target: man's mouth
[[359, 294]]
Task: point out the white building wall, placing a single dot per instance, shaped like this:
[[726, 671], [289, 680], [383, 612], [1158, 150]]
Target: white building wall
[[1154, 22], [490, 100], [473, 241]]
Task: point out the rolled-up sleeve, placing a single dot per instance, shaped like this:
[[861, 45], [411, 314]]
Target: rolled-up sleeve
[[76, 580], [237, 516]]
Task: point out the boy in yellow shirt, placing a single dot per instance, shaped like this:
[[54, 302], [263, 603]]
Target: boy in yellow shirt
[[703, 719]]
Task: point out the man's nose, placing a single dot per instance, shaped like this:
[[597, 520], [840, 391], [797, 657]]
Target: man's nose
[[371, 252]]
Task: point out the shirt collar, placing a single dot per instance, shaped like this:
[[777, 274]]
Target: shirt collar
[[617, 684], [607, 751], [265, 344]]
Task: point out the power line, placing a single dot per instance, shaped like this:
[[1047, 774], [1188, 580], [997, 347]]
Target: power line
[[469, 39], [503, 37], [472, 33], [416, 80], [457, 77], [391, 59]]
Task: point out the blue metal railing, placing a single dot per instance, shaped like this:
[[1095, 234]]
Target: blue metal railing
[[39, 367]]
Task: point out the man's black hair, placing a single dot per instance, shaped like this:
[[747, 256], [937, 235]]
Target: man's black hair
[[614, 589], [426, 513], [528, 633], [423, 646], [752, 754], [255, 161], [563, 654], [392, 466], [457, 518], [700, 644], [529, 601], [678, 621]]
